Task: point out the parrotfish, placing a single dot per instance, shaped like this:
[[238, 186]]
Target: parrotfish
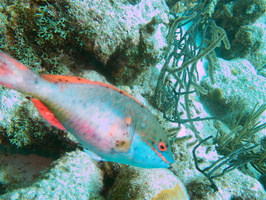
[[109, 123]]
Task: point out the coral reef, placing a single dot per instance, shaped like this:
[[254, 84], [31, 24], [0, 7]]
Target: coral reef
[[29, 33], [19, 169], [132, 183], [237, 147], [177, 192], [243, 142], [234, 74], [248, 40], [233, 16], [198, 36], [258, 58], [237, 188], [122, 40], [23, 127], [66, 179], [117, 38]]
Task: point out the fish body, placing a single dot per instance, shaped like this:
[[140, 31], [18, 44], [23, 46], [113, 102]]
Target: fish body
[[109, 123]]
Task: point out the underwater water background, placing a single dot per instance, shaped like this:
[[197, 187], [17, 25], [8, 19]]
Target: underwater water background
[[198, 66]]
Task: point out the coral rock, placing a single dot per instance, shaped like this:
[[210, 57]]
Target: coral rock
[[137, 183], [74, 176]]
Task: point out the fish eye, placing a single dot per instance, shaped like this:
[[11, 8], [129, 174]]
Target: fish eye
[[162, 146]]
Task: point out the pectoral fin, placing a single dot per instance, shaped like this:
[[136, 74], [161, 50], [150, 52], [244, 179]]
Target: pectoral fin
[[47, 114], [124, 134], [93, 155]]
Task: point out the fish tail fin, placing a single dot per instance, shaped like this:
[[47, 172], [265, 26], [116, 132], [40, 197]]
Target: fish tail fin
[[15, 75]]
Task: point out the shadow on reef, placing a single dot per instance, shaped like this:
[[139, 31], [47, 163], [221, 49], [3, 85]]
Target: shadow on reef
[[262, 179], [21, 167], [111, 171]]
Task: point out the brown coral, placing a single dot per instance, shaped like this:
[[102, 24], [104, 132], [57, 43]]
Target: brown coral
[[178, 192]]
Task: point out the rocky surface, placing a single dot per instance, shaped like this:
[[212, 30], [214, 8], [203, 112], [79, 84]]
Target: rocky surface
[[121, 40], [73, 176]]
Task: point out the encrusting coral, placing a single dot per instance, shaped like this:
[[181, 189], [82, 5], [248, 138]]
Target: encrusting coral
[[89, 33], [233, 16], [176, 193], [23, 127]]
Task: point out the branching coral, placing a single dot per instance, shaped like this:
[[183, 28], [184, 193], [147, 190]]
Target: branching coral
[[192, 36], [237, 147], [243, 131]]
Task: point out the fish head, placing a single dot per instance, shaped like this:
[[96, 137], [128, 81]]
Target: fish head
[[149, 146], [144, 154], [137, 143], [151, 153]]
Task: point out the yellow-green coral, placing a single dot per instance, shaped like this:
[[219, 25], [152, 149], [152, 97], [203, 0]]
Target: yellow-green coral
[[25, 129], [38, 24], [178, 192], [32, 30]]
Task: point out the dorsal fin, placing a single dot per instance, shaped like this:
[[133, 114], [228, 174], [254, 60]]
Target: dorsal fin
[[54, 78], [47, 114]]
